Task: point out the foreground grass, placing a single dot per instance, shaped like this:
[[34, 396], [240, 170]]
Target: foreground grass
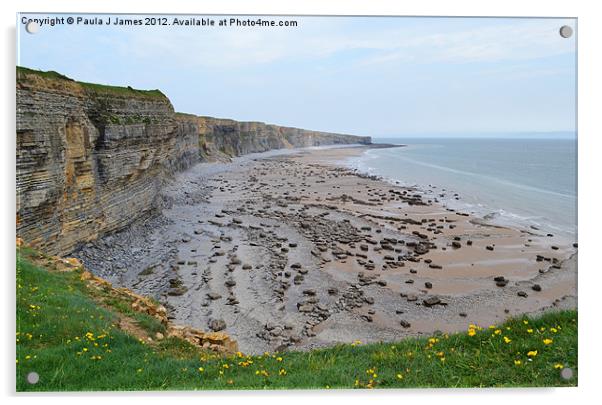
[[73, 343]]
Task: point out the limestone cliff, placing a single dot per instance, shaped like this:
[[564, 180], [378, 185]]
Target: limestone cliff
[[235, 138], [92, 158]]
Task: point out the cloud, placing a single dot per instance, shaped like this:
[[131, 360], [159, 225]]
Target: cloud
[[516, 40], [321, 38]]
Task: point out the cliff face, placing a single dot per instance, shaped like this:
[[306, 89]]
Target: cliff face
[[235, 138], [91, 159]]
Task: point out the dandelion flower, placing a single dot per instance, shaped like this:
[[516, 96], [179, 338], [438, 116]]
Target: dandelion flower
[[517, 362], [547, 341], [532, 353], [507, 339], [558, 366]]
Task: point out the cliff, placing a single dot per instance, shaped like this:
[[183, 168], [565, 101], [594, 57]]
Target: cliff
[[235, 138], [92, 158]]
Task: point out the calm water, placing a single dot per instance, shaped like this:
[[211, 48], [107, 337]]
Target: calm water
[[529, 182]]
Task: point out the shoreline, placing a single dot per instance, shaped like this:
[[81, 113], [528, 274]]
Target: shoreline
[[490, 208], [294, 251]]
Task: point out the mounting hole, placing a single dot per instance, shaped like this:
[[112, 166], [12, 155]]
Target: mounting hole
[[566, 373], [32, 27], [566, 31], [33, 377]]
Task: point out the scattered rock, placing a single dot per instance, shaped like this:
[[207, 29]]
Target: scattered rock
[[432, 301], [217, 324], [214, 296]]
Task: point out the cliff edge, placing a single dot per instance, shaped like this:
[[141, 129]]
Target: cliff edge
[[91, 158]]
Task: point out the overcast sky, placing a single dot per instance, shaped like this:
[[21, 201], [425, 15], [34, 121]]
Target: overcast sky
[[368, 76]]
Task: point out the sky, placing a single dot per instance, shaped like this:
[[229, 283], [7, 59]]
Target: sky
[[376, 76]]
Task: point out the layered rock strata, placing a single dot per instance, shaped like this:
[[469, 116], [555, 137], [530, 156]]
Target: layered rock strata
[[91, 159]]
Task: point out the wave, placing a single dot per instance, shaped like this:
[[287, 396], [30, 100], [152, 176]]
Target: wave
[[488, 211], [484, 177]]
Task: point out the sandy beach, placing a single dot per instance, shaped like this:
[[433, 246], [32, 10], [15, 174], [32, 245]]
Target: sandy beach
[[295, 251]]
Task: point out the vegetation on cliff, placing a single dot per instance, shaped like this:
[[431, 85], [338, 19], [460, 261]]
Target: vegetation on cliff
[[76, 338], [24, 75]]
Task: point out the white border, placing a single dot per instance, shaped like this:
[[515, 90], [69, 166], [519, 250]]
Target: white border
[[590, 153]]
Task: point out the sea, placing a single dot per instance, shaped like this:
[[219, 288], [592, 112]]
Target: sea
[[527, 182]]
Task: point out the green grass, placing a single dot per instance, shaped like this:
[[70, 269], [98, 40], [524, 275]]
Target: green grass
[[57, 319], [98, 89]]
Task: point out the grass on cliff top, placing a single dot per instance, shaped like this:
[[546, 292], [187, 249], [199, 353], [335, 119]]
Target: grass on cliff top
[[100, 89], [73, 343]]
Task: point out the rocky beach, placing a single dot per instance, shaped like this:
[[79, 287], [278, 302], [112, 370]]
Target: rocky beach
[[293, 251]]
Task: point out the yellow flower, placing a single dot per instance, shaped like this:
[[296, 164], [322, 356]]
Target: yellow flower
[[547, 341], [526, 322], [497, 331], [278, 358], [282, 372], [532, 353], [201, 369], [507, 340], [399, 376], [529, 330], [558, 366], [471, 332], [517, 362]]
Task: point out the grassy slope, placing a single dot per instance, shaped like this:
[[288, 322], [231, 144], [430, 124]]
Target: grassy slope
[[73, 344], [101, 89]]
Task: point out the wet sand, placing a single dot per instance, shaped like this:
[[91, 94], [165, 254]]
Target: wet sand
[[297, 252]]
